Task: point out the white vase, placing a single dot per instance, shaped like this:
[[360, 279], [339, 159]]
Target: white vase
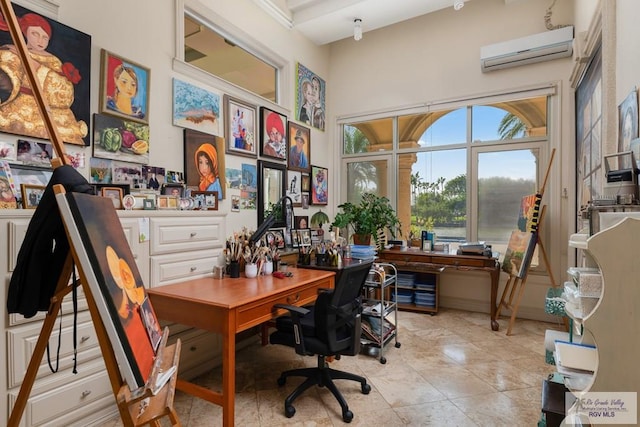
[[251, 270], [267, 268]]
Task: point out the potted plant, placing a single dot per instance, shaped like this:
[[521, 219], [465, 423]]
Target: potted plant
[[372, 214]]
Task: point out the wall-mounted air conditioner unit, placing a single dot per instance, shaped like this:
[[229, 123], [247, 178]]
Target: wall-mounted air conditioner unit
[[527, 50]]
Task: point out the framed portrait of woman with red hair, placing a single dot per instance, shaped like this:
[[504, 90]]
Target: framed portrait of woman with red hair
[[204, 162], [62, 56]]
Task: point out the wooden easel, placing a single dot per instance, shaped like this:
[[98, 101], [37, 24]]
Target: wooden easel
[[514, 288], [143, 408]]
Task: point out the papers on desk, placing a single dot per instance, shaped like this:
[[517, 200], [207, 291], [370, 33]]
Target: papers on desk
[[574, 358]]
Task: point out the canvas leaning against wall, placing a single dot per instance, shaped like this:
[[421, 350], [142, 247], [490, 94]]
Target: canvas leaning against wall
[[62, 56]]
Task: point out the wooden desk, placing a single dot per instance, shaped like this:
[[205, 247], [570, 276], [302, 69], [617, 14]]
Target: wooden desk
[[228, 306], [414, 259]]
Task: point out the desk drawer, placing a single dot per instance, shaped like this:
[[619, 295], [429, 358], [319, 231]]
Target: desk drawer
[[261, 311], [167, 269], [171, 235]]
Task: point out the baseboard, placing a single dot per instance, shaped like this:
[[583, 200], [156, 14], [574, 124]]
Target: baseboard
[[524, 312]]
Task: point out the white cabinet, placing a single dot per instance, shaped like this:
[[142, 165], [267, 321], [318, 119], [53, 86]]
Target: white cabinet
[[177, 245], [614, 324]]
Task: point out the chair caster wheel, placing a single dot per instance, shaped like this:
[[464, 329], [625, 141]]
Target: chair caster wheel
[[290, 411], [383, 360], [398, 345], [347, 416], [366, 388], [281, 381]]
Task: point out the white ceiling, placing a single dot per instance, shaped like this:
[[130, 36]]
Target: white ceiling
[[326, 21]]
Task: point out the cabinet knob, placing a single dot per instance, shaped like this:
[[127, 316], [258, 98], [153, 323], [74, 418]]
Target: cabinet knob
[[193, 269], [85, 393], [84, 338], [193, 348], [193, 234]]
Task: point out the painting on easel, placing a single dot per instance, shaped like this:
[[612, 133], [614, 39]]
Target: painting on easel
[[520, 253], [111, 273]]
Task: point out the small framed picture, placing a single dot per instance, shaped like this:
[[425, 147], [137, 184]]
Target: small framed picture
[[301, 222], [149, 204], [305, 237], [240, 127], [278, 237], [167, 202], [235, 204], [305, 200], [31, 195], [305, 182], [115, 194], [176, 190], [205, 200], [295, 238], [319, 185], [128, 202]]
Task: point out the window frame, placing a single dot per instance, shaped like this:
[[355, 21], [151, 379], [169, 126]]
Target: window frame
[[196, 10], [545, 144]]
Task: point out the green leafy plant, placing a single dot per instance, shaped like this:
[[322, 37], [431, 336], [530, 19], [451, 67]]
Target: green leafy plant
[[373, 213]]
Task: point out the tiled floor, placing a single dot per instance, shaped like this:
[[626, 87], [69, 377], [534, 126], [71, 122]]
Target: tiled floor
[[451, 370]]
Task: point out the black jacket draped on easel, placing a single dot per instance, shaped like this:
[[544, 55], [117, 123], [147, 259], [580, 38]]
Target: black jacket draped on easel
[[44, 249]]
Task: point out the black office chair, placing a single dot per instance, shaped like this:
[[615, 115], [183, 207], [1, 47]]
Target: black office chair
[[331, 327]]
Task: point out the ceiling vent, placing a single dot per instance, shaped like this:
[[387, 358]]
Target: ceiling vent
[[527, 50]]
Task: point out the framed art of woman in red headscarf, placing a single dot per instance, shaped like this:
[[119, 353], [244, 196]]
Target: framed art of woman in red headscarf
[[204, 162], [61, 58]]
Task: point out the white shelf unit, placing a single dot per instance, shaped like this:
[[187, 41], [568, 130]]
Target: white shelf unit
[[614, 324], [379, 308]]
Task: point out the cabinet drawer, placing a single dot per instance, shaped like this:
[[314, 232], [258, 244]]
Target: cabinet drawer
[[67, 308], [21, 342], [262, 311], [171, 268], [17, 230], [83, 399], [170, 235]]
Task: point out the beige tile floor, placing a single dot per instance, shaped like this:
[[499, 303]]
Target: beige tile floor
[[451, 370]]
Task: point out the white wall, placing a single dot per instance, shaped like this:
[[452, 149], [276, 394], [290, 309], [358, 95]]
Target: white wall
[[437, 57], [144, 31]]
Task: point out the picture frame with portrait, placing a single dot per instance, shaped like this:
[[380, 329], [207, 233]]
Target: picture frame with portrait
[[241, 127], [628, 121], [319, 185], [273, 134], [210, 150], [299, 148], [176, 190], [305, 182], [205, 200], [304, 237], [124, 87], [277, 236], [301, 221], [167, 202], [294, 187], [113, 193], [310, 98], [31, 195]]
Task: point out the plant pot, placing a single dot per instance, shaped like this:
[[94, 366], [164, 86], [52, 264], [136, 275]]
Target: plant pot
[[362, 239]]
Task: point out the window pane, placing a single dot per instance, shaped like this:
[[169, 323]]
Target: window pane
[[440, 127], [366, 177], [509, 120], [504, 178], [374, 135], [209, 51], [432, 193]]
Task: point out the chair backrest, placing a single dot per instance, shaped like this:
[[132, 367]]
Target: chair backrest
[[337, 313]]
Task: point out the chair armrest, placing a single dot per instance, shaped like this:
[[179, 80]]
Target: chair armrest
[[322, 290], [293, 309]]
